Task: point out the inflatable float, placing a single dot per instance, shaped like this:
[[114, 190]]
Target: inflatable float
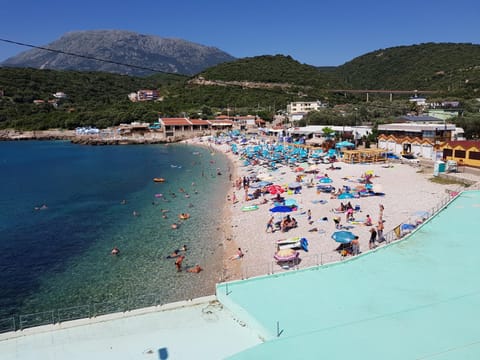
[[286, 255], [249, 208], [293, 243]]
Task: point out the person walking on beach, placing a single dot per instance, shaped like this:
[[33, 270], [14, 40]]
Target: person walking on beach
[[380, 228], [380, 213], [373, 238], [355, 246], [270, 224]]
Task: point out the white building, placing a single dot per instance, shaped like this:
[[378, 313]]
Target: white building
[[304, 106]]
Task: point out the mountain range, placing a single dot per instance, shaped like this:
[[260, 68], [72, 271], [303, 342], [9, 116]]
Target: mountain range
[[147, 54]]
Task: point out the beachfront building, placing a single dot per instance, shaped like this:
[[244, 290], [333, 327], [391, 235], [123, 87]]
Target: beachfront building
[[424, 148], [463, 152], [177, 128], [314, 133], [221, 124], [435, 132]]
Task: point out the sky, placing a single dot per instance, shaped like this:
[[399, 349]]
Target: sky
[[314, 32]]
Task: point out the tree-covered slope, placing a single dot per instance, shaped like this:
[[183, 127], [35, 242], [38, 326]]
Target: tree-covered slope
[[277, 69], [433, 66]]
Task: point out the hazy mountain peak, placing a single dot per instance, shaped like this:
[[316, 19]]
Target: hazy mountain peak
[[118, 46]]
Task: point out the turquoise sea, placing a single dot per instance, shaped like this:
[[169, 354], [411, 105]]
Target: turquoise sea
[[60, 258]]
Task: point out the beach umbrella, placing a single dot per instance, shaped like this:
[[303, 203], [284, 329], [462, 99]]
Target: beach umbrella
[[345, 196], [264, 183], [281, 208], [290, 202], [275, 189], [343, 237], [294, 185], [325, 180], [299, 169], [344, 144]]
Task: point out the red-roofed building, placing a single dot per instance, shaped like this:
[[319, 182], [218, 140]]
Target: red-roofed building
[[223, 123], [178, 128]]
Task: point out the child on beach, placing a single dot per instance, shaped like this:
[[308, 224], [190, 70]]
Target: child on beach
[[270, 224], [368, 221]]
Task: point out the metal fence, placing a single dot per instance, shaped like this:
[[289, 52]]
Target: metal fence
[[95, 309], [92, 310]]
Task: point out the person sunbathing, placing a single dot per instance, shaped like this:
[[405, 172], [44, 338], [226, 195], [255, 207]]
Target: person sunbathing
[[341, 208], [237, 256]]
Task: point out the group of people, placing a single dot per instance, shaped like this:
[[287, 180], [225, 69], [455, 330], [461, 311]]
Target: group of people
[[176, 254], [287, 223]]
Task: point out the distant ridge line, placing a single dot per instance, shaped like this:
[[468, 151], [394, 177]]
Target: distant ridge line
[[384, 91], [82, 56]]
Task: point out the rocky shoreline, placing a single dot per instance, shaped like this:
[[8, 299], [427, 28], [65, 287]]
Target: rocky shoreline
[[70, 135], [54, 134]]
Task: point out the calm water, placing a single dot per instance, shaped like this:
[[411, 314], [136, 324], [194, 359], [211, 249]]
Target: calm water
[[60, 257]]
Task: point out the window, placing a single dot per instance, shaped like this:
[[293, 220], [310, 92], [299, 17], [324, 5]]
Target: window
[[474, 155], [447, 152], [460, 154]]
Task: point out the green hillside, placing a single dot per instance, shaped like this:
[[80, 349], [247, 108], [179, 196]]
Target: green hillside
[[260, 85], [93, 98], [432, 66], [271, 69]]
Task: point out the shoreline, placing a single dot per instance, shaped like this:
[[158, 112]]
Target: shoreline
[[231, 270]]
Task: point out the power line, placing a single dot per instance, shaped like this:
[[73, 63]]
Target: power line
[[82, 56]]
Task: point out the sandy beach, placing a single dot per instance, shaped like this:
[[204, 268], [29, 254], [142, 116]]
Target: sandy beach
[[408, 194], [408, 191]]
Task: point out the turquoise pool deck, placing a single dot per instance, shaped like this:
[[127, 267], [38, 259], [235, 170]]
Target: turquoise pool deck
[[418, 298]]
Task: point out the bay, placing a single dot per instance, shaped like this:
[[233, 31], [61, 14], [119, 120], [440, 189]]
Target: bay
[[59, 257]]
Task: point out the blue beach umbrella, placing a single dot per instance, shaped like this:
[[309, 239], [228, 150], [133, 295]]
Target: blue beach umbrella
[[343, 237], [346, 196], [290, 202], [294, 185]]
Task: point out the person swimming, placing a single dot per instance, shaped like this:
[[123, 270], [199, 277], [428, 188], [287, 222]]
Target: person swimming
[[42, 207], [115, 251], [174, 254]]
